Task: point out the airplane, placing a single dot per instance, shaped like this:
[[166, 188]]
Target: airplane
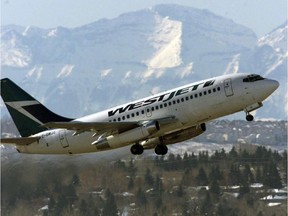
[[150, 123]]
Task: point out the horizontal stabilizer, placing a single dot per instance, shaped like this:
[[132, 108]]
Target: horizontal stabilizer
[[19, 140]]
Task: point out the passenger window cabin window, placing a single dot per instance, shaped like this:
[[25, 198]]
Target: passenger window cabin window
[[218, 88], [205, 92], [174, 102], [142, 112], [114, 120], [178, 101], [152, 108], [128, 116], [137, 113], [170, 103], [191, 96], [214, 90], [200, 94], [187, 98], [132, 115], [165, 104], [119, 119], [195, 95], [161, 106], [157, 107], [209, 91], [182, 99], [123, 117]]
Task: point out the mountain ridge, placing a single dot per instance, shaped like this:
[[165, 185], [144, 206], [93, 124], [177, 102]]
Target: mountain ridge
[[112, 61]]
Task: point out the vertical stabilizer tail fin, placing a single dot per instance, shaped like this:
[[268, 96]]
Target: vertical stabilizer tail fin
[[27, 113]]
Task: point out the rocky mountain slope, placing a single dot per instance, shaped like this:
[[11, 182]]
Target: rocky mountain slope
[[83, 70]]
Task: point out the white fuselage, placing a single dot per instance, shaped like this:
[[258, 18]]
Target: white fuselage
[[190, 105]]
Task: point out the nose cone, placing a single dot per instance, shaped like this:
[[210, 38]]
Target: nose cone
[[272, 85]]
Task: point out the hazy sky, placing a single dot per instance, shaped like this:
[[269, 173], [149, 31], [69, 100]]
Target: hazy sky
[[260, 15]]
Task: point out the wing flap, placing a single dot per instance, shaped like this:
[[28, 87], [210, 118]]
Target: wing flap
[[19, 140]]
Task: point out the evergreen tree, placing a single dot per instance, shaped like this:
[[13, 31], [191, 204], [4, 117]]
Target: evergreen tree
[[83, 208], [202, 177], [158, 185], [233, 153], [258, 176], [180, 191], [247, 174], [51, 204], [206, 205], [141, 199], [130, 183], [235, 176], [171, 165], [215, 188], [215, 174], [132, 168], [149, 180], [193, 160], [271, 176], [244, 189], [110, 207]]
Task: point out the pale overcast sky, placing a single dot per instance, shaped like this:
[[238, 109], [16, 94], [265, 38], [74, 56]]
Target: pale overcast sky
[[260, 15]]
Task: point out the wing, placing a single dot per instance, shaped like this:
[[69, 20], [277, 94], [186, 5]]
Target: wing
[[103, 127], [19, 140]]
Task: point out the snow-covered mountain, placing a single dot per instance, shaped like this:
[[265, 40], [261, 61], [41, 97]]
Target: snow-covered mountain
[[82, 70], [270, 58]]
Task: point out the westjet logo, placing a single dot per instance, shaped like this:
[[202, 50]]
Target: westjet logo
[[164, 97]]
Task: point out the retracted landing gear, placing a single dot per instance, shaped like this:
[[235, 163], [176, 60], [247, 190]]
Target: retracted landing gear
[[137, 149], [161, 149], [249, 117]]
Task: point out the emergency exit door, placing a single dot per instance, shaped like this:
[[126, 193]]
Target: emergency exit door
[[228, 87], [63, 139]]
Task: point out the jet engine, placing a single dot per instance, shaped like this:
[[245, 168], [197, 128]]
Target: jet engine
[[175, 137], [128, 137]]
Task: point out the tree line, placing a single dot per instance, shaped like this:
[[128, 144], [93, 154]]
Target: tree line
[[187, 184]]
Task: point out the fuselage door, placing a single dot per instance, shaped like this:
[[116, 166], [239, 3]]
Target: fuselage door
[[63, 139], [228, 87], [148, 112]]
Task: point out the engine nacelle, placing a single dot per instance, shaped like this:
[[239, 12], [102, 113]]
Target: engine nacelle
[[128, 137], [175, 137]]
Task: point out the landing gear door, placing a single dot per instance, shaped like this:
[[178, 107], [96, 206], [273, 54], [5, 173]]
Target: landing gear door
[[228, 87], [63, 139]]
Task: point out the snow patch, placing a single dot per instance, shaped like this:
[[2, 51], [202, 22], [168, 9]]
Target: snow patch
[[26, 31], [186, 71], [66, 71], [52, 33], [155, 90], [105, 73], [233, 66], [14, 54], [35, 71], [167, 42]]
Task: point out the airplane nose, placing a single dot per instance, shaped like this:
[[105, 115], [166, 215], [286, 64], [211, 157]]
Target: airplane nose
[[273, 85]]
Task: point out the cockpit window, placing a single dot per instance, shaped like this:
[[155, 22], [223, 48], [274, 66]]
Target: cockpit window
[[252, 78]]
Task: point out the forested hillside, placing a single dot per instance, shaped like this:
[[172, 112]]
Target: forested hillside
[[224, 183]]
